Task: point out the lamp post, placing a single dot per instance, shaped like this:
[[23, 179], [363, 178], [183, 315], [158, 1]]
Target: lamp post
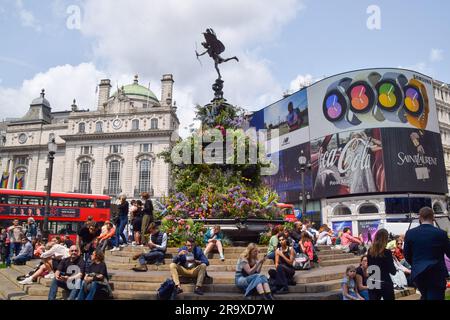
[[304, 164], [51, 156]]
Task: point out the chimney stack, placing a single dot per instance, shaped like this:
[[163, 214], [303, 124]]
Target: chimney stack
[[166, 90], [104, 90]]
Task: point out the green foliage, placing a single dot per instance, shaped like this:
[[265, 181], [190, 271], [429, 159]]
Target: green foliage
[[264, 237], [179, 230], [219, 190]]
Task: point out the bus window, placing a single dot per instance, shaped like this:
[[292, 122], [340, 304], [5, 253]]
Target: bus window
[[67, 228], [14, 200], [86, 203], [3, 199], [32, 200], [65, 203], [101, 204]]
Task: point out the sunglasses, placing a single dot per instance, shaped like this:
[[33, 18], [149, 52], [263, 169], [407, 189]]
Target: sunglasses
[[73, 250]]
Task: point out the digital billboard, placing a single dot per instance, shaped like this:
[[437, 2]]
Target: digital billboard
[[375, 98], [369, 131]]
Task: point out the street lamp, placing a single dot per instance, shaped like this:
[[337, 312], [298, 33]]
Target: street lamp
[[304, 165], [51, 156]]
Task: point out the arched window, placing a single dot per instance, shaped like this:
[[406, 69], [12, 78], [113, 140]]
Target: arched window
[[114, 177], [154, 124], [368, 208], [135, 124], [342, 211], [85, 177], [99, 127], [144, 176], [81, 127]]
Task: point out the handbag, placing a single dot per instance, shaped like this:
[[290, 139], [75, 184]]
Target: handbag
[[301, 262]]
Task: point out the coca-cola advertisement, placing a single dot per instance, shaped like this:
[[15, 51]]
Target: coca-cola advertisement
[[348, 163], [414, 160]]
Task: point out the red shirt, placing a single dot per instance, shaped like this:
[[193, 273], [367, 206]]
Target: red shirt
[[398, 253]]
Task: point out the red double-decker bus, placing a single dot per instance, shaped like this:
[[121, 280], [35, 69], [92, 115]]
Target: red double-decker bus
[[67, 210]]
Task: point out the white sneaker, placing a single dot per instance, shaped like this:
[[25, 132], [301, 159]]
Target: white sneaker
[[115, 249], [28, 280], [133, 244], [124, 245], [49, 276]]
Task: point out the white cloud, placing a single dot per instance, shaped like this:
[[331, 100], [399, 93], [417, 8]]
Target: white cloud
[[27, 18], [62, 84], [152, 38], [157, 37], [436, 55], [302, 80]]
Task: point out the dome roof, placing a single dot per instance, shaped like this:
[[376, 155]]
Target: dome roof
[[136, 89], [41, 100]]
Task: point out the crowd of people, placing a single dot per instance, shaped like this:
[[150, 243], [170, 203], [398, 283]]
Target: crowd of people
[[417, 259], [79, 267]]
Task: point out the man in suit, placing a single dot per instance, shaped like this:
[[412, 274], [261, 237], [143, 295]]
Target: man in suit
[[424, 248]]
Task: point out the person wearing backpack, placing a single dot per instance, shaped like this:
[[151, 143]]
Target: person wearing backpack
[[190, 262]]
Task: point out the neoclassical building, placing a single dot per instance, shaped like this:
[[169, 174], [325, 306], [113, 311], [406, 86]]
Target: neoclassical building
[[110, 150]]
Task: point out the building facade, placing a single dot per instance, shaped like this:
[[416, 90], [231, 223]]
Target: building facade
[[112, 150]]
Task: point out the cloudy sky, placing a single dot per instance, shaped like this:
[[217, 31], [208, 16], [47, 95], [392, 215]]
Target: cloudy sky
[[67, 46]]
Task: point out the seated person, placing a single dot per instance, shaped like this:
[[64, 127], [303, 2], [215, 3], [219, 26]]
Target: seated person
[[96, 277], [190, 262], [296, 235], [349, 287], [54, 252], [398, 253], [26, 252], [307, 247], [66, 280], [284, 260], [325, 235], [39, 248], [106, 237], [248, 277], [67, 242], [273, 242], [158, 246], [349, 241], [213, 240], [361, 278]]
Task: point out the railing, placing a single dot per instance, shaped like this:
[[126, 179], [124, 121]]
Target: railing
[[137, 193], [112, 192]]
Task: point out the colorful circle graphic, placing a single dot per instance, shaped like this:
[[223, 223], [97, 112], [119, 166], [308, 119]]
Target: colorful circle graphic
[[389, 95], [413, 100], [361, 97], [334, 106]]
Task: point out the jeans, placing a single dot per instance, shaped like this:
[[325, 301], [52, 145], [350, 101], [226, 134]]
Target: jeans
[[62, 284], [21, 259], [364, 294], [271, 255], [90, 293], [14, 248], [151, 257], [119, 231]]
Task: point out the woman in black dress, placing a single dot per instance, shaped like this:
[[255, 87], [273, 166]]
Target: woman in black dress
[[284, 259], [382, 258]]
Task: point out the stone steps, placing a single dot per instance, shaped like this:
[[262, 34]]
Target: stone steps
[[144, 295], [320, 283], [226, 288]]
